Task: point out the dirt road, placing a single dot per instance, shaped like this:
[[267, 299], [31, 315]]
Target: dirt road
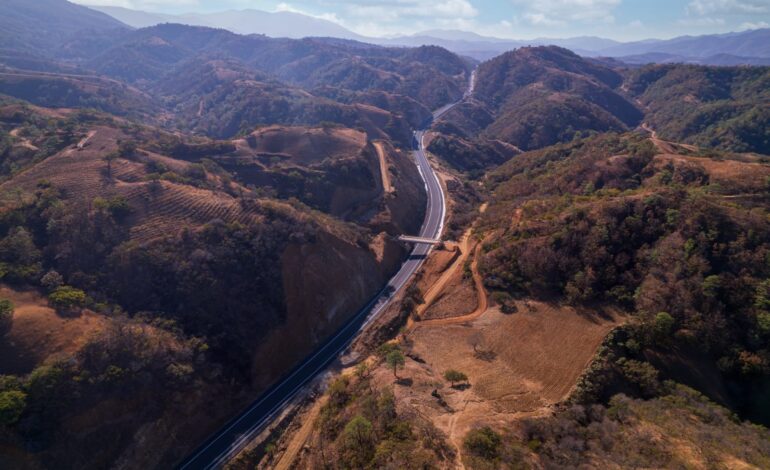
[[482, 305], [386, 186]]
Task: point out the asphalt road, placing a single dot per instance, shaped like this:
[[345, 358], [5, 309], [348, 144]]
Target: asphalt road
[[234, 436]]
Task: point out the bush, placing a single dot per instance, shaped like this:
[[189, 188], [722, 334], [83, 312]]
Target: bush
[[67, 299], [483, 442], [386, 348], [117, 206], [664, 325], [6, 315], [12, 404], [52, 280], [358, 441]]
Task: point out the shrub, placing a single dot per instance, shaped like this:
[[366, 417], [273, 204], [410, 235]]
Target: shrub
[[12, 404], [386, 348], [19, 257], [6, 315], [664, 325], [127, 148], [358, 441], [67, 299], [455, 376], [117, 206], [483, 442], [395, 360], [45, 384], [52, 280]]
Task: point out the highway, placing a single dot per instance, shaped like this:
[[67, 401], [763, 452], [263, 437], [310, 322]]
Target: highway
[[236, 434]]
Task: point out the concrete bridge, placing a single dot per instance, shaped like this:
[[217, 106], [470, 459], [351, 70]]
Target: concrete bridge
[[419, 240]]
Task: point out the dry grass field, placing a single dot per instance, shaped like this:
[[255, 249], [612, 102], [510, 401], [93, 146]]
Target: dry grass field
[[39, 334]]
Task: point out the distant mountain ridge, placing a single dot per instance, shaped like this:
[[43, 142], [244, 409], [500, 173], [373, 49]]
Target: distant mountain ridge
[[739, 48], [23, 26], [250, 21]]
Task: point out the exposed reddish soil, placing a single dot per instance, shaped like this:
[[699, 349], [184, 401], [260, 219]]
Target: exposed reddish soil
[[518, 365], [384, 167]]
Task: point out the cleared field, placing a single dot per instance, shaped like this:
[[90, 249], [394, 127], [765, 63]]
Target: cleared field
[[518, 365], [532, 358]]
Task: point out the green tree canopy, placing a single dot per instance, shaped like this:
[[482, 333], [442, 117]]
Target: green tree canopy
[[395, 360], [6, 315], [358, 441], [12, 404], [664, 324], [483, 442], [453, 376], [66, 298]]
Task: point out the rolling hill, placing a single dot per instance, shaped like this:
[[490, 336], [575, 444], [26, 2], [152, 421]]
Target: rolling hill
[[543, 95], [56, 22], [724, 108]]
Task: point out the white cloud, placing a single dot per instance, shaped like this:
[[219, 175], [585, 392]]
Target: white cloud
[[707, 7], [756, 25], [560, 12], [541, 19], [702, 22], [292, 9], [377, 10], [141, 4]]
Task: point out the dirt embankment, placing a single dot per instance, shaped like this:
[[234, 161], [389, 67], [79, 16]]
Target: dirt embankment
[[384, 167]]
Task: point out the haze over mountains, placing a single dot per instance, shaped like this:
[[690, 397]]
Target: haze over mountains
[[747, 47]]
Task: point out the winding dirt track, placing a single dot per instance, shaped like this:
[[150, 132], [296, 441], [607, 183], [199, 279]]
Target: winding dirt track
[[483, 303], [302, 435], [662, 145], [437, 287]]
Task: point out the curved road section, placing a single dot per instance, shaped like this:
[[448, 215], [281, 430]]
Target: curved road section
[[234, 436]]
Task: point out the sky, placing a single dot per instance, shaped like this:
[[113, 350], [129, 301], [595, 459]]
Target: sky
[[519, 19]]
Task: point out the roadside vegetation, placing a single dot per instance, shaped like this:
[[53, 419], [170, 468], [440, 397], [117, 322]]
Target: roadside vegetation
[[360, 427]]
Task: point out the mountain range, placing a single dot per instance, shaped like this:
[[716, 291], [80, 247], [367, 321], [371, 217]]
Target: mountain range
[[738, 48]]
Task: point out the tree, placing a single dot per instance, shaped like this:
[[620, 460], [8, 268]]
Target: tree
[[109, 158], [455, 376], [395, 360], [483, 442], [358, 440], [386, 348], [362, 370], [6, 315], [19, 257], [127, 148], [67, 299], [664, 325], [52, 280], [12, 404]]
